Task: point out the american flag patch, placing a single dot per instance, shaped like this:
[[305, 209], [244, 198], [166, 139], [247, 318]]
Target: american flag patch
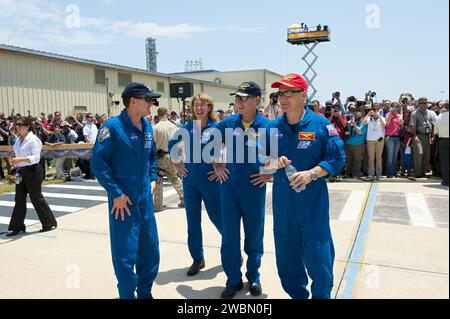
[[332, 130]]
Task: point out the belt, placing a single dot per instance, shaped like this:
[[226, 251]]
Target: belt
[[393, 136], [418, 133], [32, 167]]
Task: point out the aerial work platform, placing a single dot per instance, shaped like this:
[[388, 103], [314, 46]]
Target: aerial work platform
[[301, 34]]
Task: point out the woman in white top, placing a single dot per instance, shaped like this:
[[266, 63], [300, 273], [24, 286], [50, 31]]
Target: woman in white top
[[376, 125], [29, 173]]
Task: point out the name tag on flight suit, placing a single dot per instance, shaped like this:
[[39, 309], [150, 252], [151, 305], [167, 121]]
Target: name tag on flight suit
[[205, 137], [252, 140], [148, 140], [306, 138]]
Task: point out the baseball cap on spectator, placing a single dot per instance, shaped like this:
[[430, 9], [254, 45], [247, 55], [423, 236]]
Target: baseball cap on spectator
[[137, 90], [292, 80], [220, 111], [352, 106], [248, 88], [329, 103]]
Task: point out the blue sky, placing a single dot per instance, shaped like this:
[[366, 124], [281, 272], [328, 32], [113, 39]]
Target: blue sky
[[406, 51]]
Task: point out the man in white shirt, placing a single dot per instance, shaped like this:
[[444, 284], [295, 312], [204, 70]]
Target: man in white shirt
[[375, 142], [90, 131], [441, 131]]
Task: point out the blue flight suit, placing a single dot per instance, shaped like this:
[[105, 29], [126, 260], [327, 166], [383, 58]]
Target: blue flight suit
[[124, 162], [301, 220], [240, 199], [197, 187]]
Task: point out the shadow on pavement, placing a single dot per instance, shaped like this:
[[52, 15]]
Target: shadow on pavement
[[436, 186], [214, 293], [179, 275]]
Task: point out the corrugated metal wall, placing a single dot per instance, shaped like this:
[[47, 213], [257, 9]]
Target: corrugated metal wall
[[40, 84]]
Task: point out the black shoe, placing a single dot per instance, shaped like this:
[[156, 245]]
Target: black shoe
[[444, 183], [255, 289], [230, 291], [196, 267], [15, 232], [46, 229]]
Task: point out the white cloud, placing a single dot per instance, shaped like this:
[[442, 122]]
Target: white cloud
[[42, 24]]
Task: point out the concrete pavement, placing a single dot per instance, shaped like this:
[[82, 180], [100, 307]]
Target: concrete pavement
[[396, 260]]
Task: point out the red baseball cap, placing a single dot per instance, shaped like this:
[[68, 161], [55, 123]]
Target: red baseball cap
[[292, 80]]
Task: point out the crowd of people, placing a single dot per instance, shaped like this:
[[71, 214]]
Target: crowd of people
[[392, 139]]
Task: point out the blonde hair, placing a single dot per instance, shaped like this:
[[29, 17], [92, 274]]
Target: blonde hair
[[209, 101]]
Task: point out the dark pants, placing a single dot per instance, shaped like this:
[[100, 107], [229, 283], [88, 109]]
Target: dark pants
[[85, 166], [31, 184], [443, 158]]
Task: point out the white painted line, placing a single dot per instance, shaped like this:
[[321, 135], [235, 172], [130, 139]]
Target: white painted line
[[91, 188], [55, 208], [74, 196], [6, 220], [352, 207], [419, 213]]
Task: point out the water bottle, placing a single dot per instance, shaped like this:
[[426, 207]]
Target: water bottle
[[291, 170]]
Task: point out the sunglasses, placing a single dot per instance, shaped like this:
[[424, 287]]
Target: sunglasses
[[288, 93], [243, 98], [147, 99]]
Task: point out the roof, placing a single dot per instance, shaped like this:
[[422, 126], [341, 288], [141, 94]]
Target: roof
[[66, 58], [215, 71]]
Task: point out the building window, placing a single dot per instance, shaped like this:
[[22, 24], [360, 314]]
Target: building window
[[100, 77], [124, 79], [160, 87]]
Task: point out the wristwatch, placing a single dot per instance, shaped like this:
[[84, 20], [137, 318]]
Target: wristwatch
[[314, 175]]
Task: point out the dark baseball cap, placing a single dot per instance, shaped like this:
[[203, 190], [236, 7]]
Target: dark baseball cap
[[137, 90], [248, 88]]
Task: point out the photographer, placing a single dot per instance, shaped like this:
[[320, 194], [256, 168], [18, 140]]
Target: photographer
[[355, 142], [422, 127], [54, 140], [375, 142], [3, 142], [394, 124], [339, 121], [336, 100], [369, 97], [273, 109], [406, 100]]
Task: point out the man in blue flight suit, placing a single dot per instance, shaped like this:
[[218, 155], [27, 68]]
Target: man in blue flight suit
[[311, 144], [124, 162], [243, 191], [198, 183]]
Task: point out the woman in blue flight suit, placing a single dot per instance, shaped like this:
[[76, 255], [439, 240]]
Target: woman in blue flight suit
[[198, 175], [303, 239], [124, 162]]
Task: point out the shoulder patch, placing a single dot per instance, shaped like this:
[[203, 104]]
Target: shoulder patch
[[332, 130], [104, 134]]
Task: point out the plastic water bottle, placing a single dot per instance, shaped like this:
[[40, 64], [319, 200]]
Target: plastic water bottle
[[291, 170]]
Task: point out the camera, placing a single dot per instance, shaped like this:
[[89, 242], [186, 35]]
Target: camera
[[373, 94], [349, 117], [155, 102], [352, 99]]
